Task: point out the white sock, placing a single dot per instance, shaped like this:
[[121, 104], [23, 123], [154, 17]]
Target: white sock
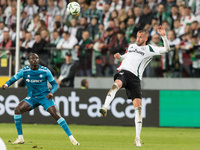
[[71, 137], [20, 137], [138, 121], [111, 94]]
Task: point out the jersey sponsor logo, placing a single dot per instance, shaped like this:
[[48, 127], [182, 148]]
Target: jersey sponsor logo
[[33, 81], [136, 51]]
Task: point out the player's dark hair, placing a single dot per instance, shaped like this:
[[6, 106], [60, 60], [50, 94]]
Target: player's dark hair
[[83, 82]]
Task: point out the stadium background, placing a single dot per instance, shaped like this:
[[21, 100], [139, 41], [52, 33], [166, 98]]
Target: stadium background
[[113, 24]]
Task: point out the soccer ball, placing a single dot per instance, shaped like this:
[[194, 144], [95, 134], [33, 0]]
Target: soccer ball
[[73, 8], [2, 145]]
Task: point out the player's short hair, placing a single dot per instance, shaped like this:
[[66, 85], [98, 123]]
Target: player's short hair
[[83, 82], [32, 54], [144, 31]]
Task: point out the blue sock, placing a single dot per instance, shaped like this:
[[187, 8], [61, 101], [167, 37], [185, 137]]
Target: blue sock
[[18, 123], [64, 125]]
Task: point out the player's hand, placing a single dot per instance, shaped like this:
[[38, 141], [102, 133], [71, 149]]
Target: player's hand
[[117, 56], [161, 31], [49, 96], [4, 86]]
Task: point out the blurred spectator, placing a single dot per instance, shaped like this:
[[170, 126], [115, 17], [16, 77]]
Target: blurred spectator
[[187, 17], [3, 5], [67, 42], [128, 5], [63, 10], [116, 5], [52, 9], [174, 56], [121, 43], [106, 44], [195, 28], [100, 5], [130, 14], [84, 84], [38, 48], [194, 50], [45, 35], [25, 21], [166, 26], [85, 54], [177, 27], [2, 27], [130, 28], [72, 29], [169, 5], [122, 26], [146, 17], [34, 25], [155, 64], [41, 26], [137, 16], [174, 15], [6, 43], [161, 15], [67, 72], [31, 8], [132, 38], [195, 5], [100, 32], [12, 32], [139, 3], [84, 6], [106, 15], [92, 12], [93, 28], [12, 18], [2, 16], [7, 11], [49, 21], [57, 27], [152, 5], [41, 4], [114, 14], [26, 48], [122, 16], [83, 26]]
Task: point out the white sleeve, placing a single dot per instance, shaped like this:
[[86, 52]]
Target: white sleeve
[[166, 45], [60, 43]]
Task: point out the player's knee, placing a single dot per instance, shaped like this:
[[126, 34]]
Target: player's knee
[[119, 83], [137, 102], [17, 110]]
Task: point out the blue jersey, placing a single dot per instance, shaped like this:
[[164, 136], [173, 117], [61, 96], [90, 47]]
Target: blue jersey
[[36, 80]]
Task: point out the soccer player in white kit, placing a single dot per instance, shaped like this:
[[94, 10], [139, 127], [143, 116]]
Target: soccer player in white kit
[[130, 71]]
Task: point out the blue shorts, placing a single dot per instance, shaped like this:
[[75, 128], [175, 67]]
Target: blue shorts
[[35, 102]]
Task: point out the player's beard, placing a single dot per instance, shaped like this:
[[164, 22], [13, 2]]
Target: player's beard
[[140, 44]]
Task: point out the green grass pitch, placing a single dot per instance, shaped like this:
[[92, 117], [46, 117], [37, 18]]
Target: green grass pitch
[[52, 137]]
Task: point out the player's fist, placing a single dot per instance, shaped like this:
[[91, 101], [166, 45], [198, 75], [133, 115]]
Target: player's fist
[[4, 86], [49, 96], [117, 56], [161, 31]]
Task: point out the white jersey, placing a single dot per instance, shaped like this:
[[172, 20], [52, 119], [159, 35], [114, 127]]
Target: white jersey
[[137, 57]]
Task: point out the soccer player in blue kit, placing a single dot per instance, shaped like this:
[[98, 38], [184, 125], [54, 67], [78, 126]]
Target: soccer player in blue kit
[[36, 77]]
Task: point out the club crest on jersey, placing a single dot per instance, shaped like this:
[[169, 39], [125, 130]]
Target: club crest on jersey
[[28, 76], [41, 76]]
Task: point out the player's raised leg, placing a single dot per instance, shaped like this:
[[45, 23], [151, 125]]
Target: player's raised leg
[[110, 96], [137, 102], [53, 110], [21, 108]]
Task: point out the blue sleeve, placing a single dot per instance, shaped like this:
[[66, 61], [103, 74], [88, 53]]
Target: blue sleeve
[[50, 76], [54, 86], [15, 78]]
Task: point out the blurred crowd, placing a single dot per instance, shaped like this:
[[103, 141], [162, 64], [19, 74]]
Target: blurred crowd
[[103, 28]]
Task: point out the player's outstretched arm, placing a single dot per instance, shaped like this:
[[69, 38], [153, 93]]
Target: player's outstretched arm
[[162, 32]]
